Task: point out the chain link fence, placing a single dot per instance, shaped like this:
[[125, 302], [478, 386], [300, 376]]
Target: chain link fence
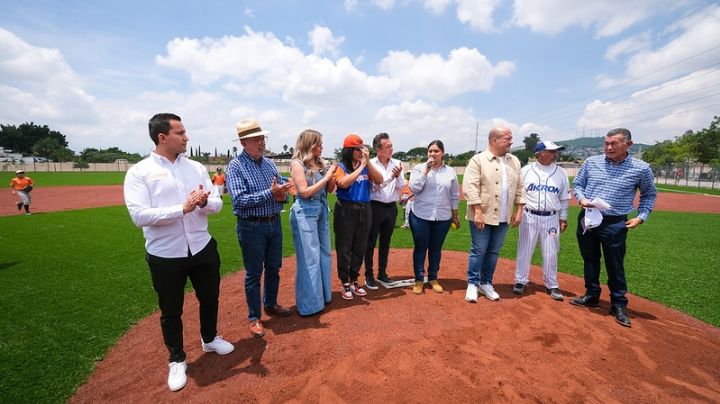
[[688, 175]]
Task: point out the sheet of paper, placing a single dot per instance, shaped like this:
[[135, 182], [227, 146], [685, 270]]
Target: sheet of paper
[[600, 204]]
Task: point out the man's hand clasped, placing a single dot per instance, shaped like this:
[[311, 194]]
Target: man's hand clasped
[[279, 191], [198, 197]]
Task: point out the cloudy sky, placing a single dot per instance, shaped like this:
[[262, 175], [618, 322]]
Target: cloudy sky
[[417, 69]]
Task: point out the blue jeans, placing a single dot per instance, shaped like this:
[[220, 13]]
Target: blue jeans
[[261, 245], [484, 251], [311, 236], [429, 236], [611, 236]]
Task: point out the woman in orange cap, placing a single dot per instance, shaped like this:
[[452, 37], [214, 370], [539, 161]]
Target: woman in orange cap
[[353, 216]]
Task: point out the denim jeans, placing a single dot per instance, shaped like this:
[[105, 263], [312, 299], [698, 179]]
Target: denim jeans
[[611, 236], [261, 245], [311, 237], [484, 250], [169, 276], [429, 236]]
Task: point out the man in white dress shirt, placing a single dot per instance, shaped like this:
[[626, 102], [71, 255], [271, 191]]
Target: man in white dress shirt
[[383, 201], [170, 197]]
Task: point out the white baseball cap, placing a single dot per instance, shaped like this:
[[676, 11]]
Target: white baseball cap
[[592, 219]]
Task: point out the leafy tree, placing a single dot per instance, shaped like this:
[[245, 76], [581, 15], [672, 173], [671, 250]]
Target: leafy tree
[[21, 139], [530, 143]]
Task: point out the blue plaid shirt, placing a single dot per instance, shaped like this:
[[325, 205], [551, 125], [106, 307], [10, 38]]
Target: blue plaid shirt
[[617, 184], [248, 182]]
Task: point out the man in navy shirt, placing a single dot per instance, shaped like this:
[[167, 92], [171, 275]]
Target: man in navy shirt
[[258, 193], [614, 177]]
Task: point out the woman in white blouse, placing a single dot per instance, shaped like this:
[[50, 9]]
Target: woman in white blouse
[[436, 191]]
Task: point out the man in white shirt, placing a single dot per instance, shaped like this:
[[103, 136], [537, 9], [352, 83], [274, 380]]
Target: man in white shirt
[[547, 197], [383, 201], [170, 197]]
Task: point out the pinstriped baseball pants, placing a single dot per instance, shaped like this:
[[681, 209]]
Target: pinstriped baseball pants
[[532, 228]]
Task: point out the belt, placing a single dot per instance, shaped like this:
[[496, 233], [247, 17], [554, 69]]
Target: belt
[[260, 218], [540, 212], [386, 204]]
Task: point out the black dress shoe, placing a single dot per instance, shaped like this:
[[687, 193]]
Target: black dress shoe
[[585, 301], [277, 310], [620, 316]]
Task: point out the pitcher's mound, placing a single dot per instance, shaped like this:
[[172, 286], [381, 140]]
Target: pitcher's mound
[[395, 346]]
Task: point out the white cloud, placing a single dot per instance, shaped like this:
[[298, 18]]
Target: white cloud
[[309, 117], [477, 13], [661, 111], [260, 61], [432, 76], [23, 62], [38, 84], [629, 45], [324, 42], [384, 4], [692, 46], [608, 17], [249, 12], [437, 6], [350, 5], [417, 123]]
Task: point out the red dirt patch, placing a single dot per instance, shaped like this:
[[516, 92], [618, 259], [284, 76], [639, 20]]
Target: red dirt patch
[[394, 346], [51, 199]]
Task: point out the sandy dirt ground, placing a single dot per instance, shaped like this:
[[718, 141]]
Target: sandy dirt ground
[[395, 346]]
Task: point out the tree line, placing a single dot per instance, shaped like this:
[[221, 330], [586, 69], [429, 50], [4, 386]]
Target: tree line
[[40, 141], [28, 138]]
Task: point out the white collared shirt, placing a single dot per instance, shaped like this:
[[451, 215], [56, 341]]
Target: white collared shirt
[[391, 187], [155, 190]]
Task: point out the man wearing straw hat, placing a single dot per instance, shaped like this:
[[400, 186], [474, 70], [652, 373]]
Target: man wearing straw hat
[[258, 193]]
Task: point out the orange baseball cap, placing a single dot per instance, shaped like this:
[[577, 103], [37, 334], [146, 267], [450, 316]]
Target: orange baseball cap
[[352, 140]]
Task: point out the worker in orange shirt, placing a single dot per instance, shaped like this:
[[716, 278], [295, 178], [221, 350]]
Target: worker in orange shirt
[[22, 185], [406, 200], [218, 179]]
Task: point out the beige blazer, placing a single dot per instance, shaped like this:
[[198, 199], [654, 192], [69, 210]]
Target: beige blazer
[[482, 183]]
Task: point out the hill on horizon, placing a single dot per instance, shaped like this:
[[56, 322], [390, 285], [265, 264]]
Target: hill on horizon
[[594, 142]]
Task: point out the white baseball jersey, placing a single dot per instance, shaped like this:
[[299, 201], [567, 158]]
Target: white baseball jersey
[[547, 196]]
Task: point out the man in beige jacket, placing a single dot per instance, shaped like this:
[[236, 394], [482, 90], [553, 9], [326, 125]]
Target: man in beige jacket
[[491, 186]]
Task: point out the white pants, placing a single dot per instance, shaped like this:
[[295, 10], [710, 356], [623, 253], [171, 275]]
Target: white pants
[[408, 208], [547, 228], [24, 197], [220, 189]]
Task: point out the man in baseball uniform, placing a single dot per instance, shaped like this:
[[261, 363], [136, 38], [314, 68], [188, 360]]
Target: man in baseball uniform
[[547, 196]]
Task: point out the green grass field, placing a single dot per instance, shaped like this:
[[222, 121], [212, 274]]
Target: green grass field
[[76, 281]]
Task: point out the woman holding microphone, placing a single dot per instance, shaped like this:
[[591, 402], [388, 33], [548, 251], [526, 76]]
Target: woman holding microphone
[[436, 191]]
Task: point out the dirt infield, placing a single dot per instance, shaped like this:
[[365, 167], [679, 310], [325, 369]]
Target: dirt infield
[[50, 199], [394, 346]]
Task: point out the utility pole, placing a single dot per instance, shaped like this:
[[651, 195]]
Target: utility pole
[[477, 127]]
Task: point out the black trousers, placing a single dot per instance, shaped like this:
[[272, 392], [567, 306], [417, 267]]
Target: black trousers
[[169, 276], [384, 216], [606, 241], [351, 224]]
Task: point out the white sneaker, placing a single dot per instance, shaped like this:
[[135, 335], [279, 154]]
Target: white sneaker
[[176, 377], [218, 345], [472, 293], [489, 292]]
